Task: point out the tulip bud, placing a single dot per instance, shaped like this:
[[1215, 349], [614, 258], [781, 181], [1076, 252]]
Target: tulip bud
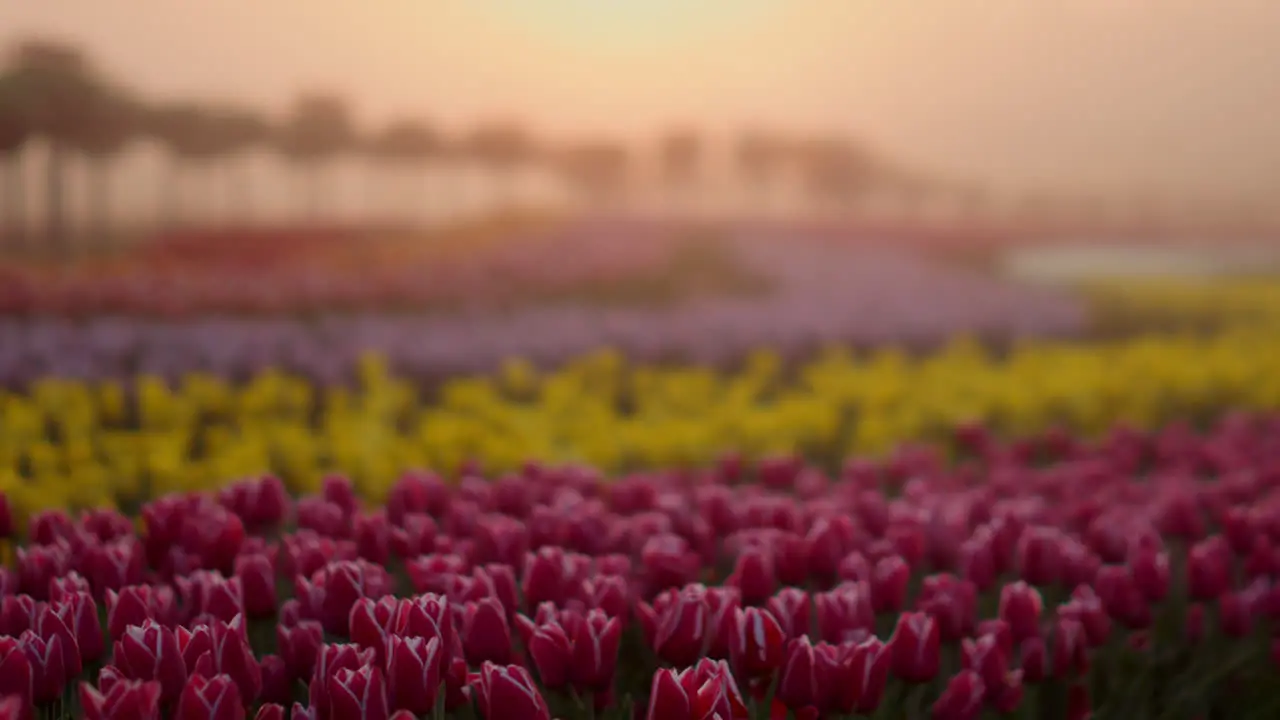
[[706, 690], [277, 686], [1070, 648], [800, 685], [682, 629], [123, 700], [889, 583], [333, 658], [962, 699], [917, 649], [596, 639], [257, 579], [136, 604], [485, 633], [1208, 569], [79, 613], [1035, 663], [271, 711], [1039, 556], [868, 675], [508, 692], [359, 694], [215, 698], [754, 576], [48, 673], [207, 592], [1020, 606], [790, 607], [299, 647], [150, 652], [15, 671], [413, 672], [49, 625], [370, 624], [759, 645], [845, 613]]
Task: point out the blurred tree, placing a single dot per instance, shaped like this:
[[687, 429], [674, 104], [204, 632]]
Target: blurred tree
[[680, 159], [597, 169], [112, 121], [189, 131], [15, 129], [235, 132], [404, 145], [836, 171], [758, 157], [56, 85], [319, 129], [502, 148]]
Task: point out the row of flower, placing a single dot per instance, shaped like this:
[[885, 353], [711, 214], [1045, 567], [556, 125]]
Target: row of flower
[[1186, 303], [351, 272], [1132, 577], [802, 295], [72, 444]]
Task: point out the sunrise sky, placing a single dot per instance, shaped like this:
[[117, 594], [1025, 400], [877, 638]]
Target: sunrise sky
[[1174, 94]]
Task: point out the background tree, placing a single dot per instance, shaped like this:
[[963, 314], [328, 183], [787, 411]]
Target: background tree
[[56, 85], [189, 132], [757, 159], [15, 129], [680, 159], [502, 148], [596, 169], [318, 130], [112, 122], [404, 147]]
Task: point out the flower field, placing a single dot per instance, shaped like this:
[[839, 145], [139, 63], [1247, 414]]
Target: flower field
[[1052, 579]]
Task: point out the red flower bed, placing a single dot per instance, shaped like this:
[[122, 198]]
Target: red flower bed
[[1132, 577]]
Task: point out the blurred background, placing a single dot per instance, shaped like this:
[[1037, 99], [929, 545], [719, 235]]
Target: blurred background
[[457, 183]]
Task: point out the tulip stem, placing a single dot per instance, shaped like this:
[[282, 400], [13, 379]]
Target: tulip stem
[[765, 710]]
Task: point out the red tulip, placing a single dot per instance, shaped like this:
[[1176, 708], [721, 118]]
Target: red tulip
[[1235, 614], [962, 699], [49, 624], [331, 659], [759, 645], [329, 594], [123, 700], [371, 623], [1020, 606], [668, 562], [1070, 648], [1122, 598], [212, 698], [230, 654], [72, 582], [1035, 663], [136, 604], [17, 614], [428, 616], [274, 711], [207, 592], [790, 607], [889, 583], [485, 633], [1208, 568], [14, 707], [413, 672], [1087, 607], [549, 575], [257, 577], [299, 647], [845, 613], [15, 671], [359, 694], [150, 652], [801, 685], [48, 673], [985, 657], [702, 692], [79, 613], [754, 576], [1039, 555], [1150, 569], [277, 686], [683, 626], [508, 693], [952, 602], [916, 645], [868, 675], [372, 535], [115, 564], [37, 565], [609, 593]]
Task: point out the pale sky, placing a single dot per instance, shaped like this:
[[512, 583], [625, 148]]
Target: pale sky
[[1175, 94]]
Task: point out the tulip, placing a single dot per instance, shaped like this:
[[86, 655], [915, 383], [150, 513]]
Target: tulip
[[759, 645], [72, 582], [1035, 663], [14, 707], [1235, 614], [231, 654], [136, 604], [48, 671], [868, 675], [79, 613], [1208, 569], [485, 633], [299, 647], [15, 671], [413, 672], [609, 593], [427, 616], [682, 629], [508, 693], [1039, 556], [1070, 648], [1119, 593], [962, 699], [916, 646], [952, 602], [754, 576], [551, 650], [123, 700], [668, 562], [1020, 607], [17, 614], [359, 694], [373, 537], [329, 594], [1150, 570], [370, 623], [1087, 607], [800, 685], [207, 592], [277, 686], [845, 613], [257, 579], [37, 565], [702, 692], [275, 711], [889, 583], [985, 657], [331, 659], [210, 698], [790, 607]]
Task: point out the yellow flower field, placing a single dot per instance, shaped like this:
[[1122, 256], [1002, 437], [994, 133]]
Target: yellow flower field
[[67, 444]]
